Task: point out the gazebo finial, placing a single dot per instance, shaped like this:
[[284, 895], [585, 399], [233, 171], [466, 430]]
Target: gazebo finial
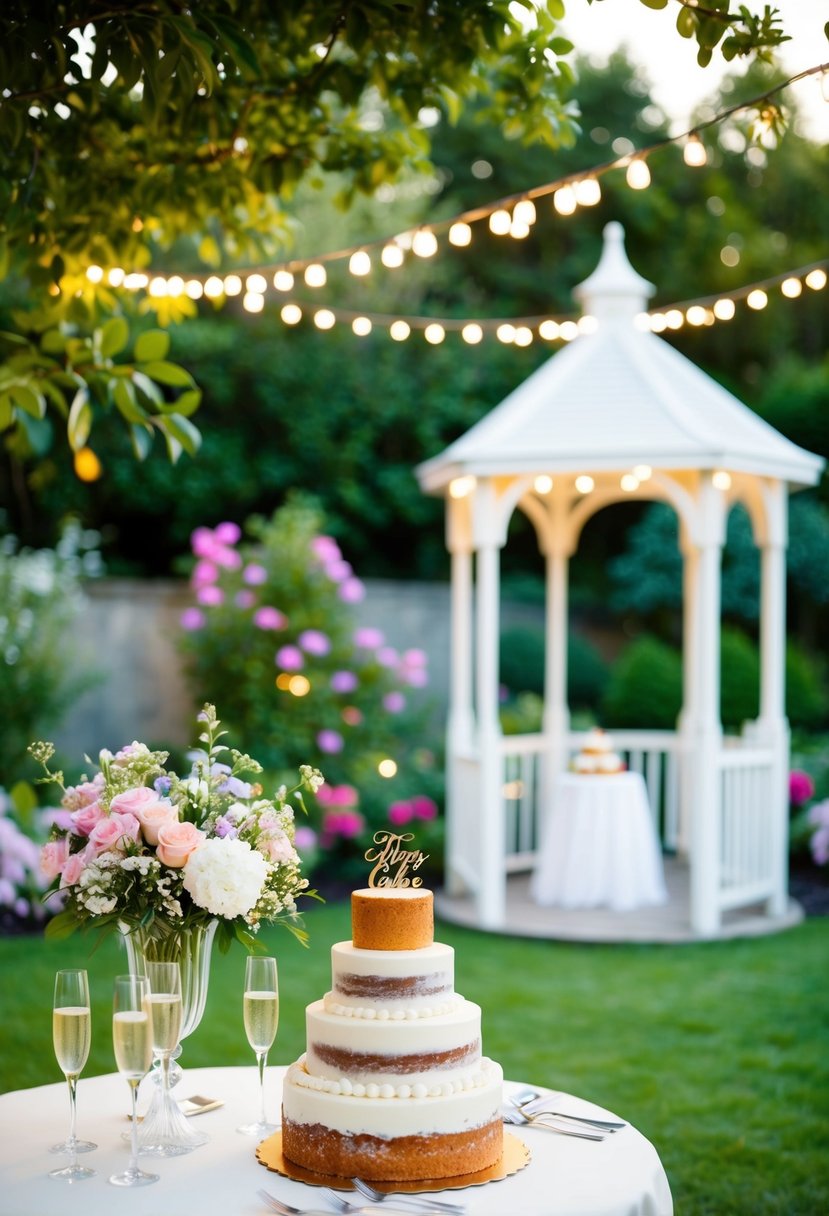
[[614, 290]]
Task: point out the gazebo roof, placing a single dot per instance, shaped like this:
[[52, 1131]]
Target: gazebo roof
[[618, 397]]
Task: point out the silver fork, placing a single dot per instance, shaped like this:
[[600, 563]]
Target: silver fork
[[422, 1204], [285, 1209], [518, 1118], [536, 1106]]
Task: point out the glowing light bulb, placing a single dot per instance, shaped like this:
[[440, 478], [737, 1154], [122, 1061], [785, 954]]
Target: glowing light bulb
[[629, 482], [233, 285], [158, 287], [564, 200], [291, 314], [584, 483], [523, 335], [392, 256], [175, 286], [505, 333], [252, 301], [472, 333], [214, 287], [543, 484], [315, 275], [757, 299], [816, 279], [674, 319], [434, 333], [135, 281], [359, 263], [256, 283], [461, 487], [387, 768], [283, 681], [116, 276], [548, 330], [791, 288], [642, 321], [324, 318], [194, 289], [500, 222], [283, 280], [642, 472], [94, 273], [424, 243], [721, 480], [524, 212], [361, 326], [694, 153], [460, 234], [568, 330], [724, 309], [658, 323], [300, 686], [588, 192], [400, 330], [588, 324], [695, 315], [519, 231], [638, 174]]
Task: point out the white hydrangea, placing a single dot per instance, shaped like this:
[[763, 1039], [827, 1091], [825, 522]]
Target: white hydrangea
[[225, 876]]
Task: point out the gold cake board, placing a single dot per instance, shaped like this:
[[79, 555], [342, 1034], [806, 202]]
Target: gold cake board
[[514, 1157]]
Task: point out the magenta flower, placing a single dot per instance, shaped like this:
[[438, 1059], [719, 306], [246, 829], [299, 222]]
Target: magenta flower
[[326, 548], [352, 591], [203, 543], [416, 677], [290, 658], [244, 598], [343, 681], [204, 571], [394, 702], [191, 619], [415, 658], [400, 813], [254, 574], [227, 533], [210, 595], [330, 742], [424, 807], [819, 843], [228, 558], [314, 641], [338, 570], [387, 656], [368, 638], [347, 824], [801, 787], [269, 618], [305, 838]]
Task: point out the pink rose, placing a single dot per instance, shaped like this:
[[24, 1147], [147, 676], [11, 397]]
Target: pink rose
[[73, 869], [153, 817], [53, 857], [131, 801], [176, 841], [85, 819], [110, 831]]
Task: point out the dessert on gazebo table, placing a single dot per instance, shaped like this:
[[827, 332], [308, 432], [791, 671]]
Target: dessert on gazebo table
[[597, 755], [393, 1085]]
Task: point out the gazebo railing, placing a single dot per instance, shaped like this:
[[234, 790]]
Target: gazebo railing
[[746, 828]]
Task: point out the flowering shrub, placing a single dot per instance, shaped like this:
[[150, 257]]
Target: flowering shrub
[[40, 595], [801, 788], [272, 632], [818, 818], [140, 845], [21, 881]]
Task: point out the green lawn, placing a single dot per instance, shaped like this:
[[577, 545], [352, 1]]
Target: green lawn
[[719, 1052]]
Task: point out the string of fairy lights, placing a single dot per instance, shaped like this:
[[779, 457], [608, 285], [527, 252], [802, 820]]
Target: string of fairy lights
[[512, 216]]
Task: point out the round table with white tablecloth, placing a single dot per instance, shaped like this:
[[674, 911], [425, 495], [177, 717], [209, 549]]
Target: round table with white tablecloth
[[599, 846], [621, 1176]]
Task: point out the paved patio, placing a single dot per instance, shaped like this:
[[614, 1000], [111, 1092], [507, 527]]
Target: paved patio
[[668, 923]]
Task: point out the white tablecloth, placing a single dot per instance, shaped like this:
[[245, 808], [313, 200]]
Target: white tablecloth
[[598, 847], [621, 1176]]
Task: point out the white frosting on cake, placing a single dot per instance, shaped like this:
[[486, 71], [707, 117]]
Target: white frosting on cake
[[418, 980], [391, 1112]]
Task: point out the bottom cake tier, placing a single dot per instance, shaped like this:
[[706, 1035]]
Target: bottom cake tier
[[396, 1137]]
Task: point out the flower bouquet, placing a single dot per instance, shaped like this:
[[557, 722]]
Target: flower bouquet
[[146, 850]]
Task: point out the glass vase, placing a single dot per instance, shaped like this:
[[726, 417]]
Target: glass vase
[[165, 1131]]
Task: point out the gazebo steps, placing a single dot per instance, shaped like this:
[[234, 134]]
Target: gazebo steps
[[668, 923]]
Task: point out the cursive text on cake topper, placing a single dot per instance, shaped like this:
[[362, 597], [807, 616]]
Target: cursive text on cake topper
[[392, 862]]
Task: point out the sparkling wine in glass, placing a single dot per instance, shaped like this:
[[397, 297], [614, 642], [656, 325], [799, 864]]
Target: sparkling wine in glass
[[133, 1046], [71, 1034], [164, 1004], [261, 1016]]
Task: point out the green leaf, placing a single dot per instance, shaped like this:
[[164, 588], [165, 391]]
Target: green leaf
[[53, 342], [142, 441], [123, 394], [113, 337], [79, 423], [183, 430], [154, 344], [168, 373], [654, 3], [188, 402], [24, 798], [6, 411], [28, 399], [61, 926]]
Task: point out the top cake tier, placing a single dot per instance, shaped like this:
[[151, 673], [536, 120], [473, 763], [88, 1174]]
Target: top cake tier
[[392, 918]]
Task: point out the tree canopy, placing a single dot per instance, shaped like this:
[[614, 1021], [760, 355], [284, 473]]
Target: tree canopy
[[129, 129]]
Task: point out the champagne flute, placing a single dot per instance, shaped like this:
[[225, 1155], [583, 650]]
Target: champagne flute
[[261, 1015], [133, 1047], [164, 1004], [71, 1034]]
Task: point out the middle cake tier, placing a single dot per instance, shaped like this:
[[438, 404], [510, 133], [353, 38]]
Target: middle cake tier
[[380, 1051]]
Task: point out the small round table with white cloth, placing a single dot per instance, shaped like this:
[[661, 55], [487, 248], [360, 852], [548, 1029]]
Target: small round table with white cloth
[[620, 1176], [598, 847]]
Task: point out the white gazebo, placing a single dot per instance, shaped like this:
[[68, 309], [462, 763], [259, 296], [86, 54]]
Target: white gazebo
[[619, 414]]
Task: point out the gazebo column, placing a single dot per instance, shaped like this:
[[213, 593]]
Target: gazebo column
[[688, 717], [491, 842], [460, 729], [772, 725], [556, 721], [706, 810]]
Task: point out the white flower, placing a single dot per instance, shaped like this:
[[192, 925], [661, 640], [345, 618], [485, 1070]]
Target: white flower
[[225, 876]]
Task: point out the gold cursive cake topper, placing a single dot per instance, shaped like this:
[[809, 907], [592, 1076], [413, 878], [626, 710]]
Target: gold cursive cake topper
[[392, 862]]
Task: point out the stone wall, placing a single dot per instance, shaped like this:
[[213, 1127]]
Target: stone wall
[[129, 631]]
